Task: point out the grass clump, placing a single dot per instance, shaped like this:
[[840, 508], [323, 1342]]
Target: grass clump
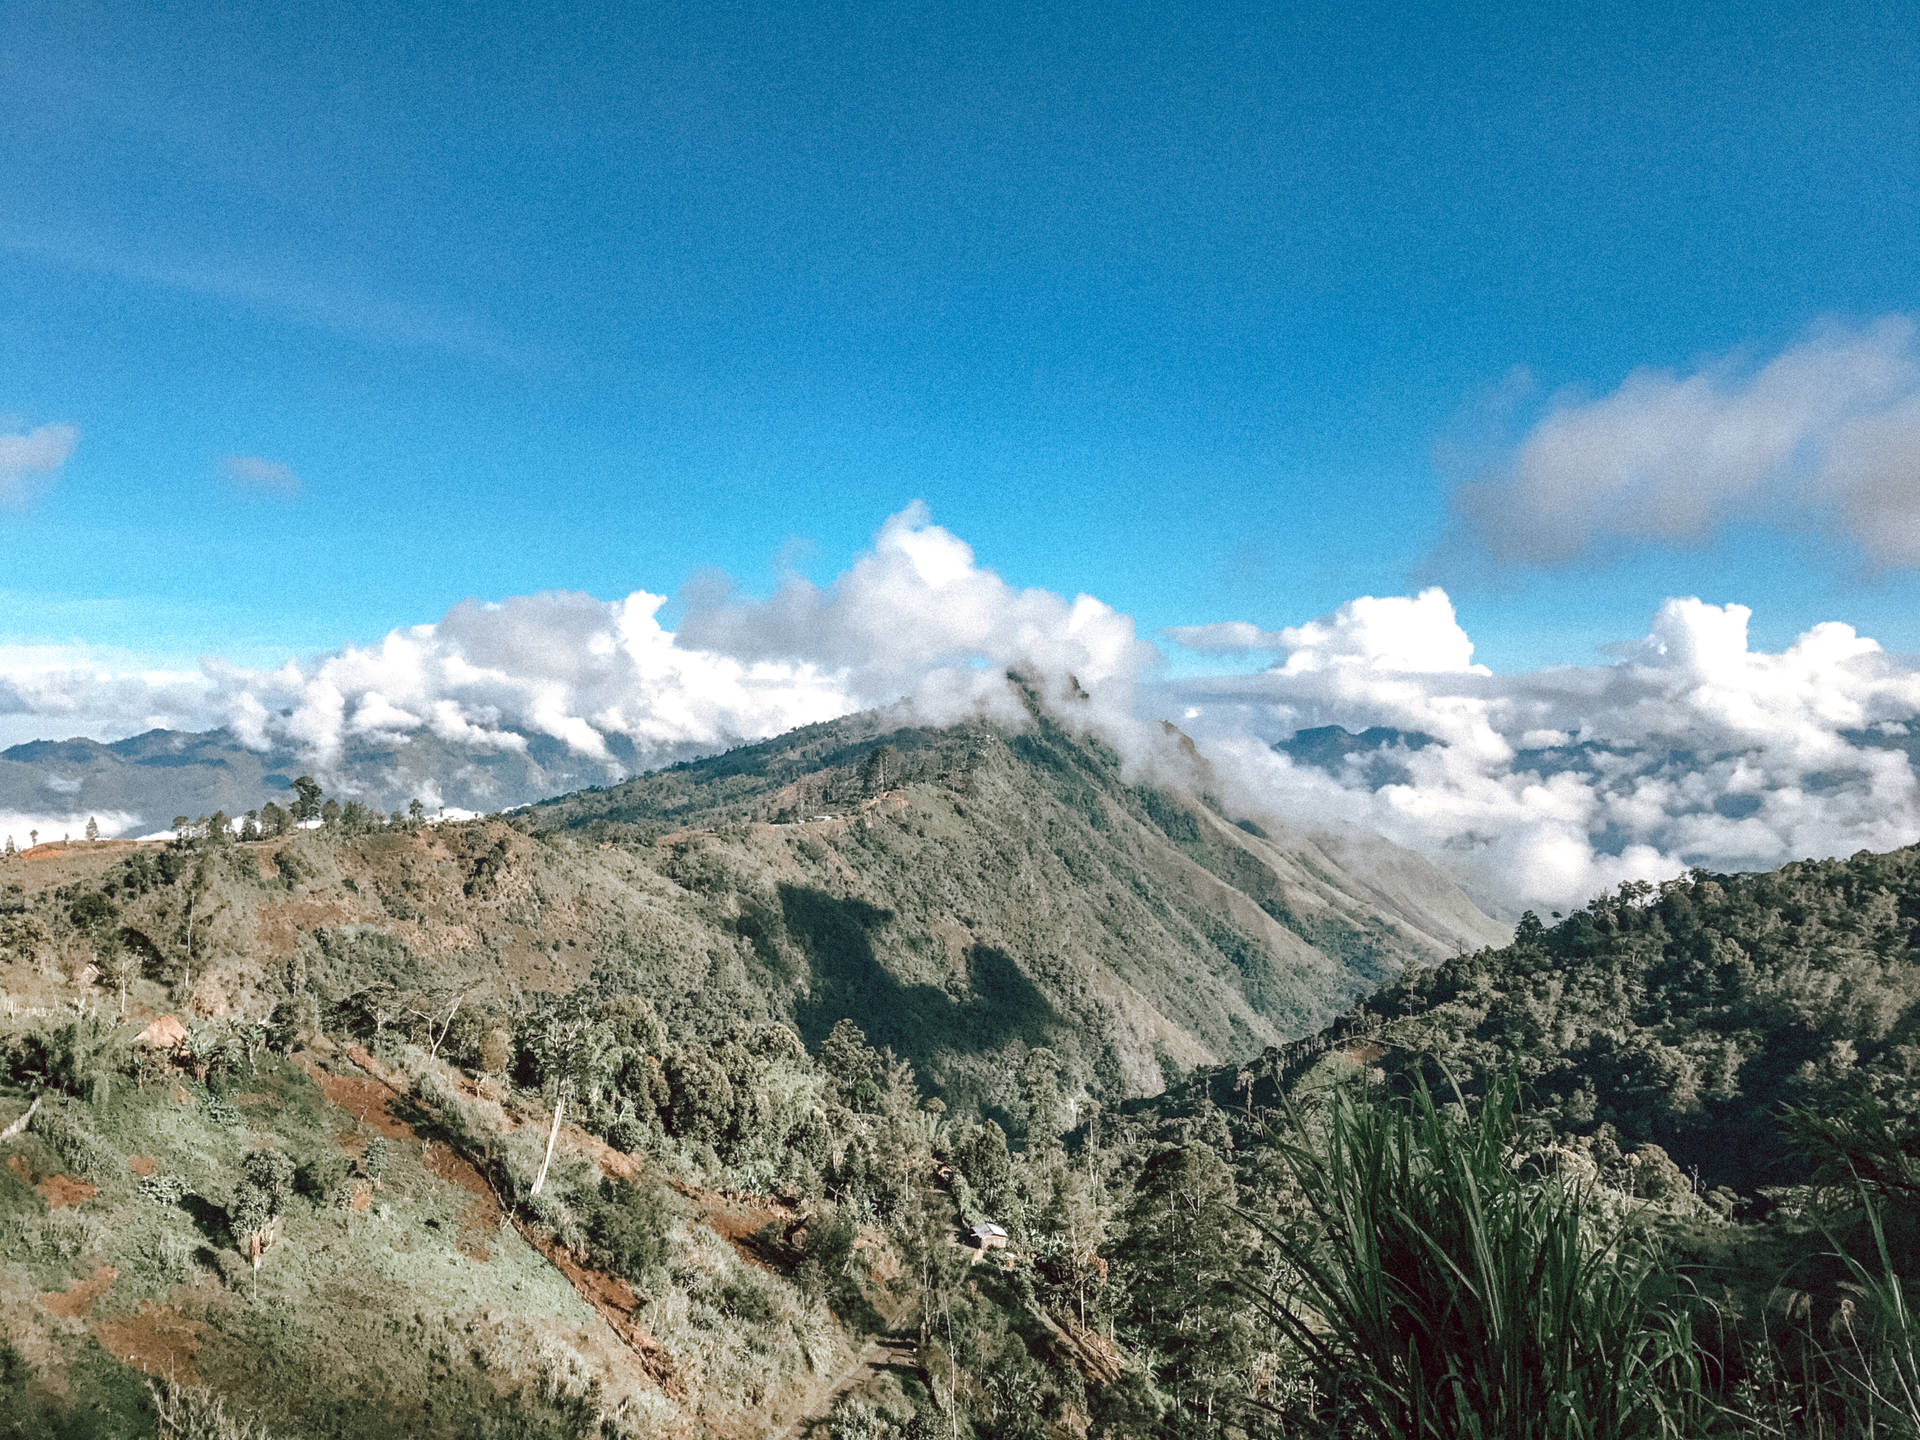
[[1442, 1289]]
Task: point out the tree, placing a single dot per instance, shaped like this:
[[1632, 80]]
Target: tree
[[217, 833], [569, 1050], [306, 799], [266, 1180], [416, 812], [250, 827], [330, 813], [436, 1029], [851, 1064], [881, 762], [93, 831], [273, 820]]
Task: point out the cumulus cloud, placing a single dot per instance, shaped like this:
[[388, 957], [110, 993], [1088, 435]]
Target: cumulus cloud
[[915, 618], [28, 458], [1686, 747], [252, 475], [1543, 787], [1826, 431]]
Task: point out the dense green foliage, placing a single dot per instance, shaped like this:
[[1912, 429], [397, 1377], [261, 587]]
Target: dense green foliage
[[1688, 1016]]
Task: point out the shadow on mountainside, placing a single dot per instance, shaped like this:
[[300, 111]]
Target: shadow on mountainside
[[920, 1022]]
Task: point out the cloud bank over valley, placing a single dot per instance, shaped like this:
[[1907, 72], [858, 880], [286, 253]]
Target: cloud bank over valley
[[1685, 747]]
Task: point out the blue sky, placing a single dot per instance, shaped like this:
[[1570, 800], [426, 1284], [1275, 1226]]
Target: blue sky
[[1169, 304]]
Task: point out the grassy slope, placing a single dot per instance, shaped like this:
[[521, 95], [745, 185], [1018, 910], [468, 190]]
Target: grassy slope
[[1013, 891], [466, 1319]]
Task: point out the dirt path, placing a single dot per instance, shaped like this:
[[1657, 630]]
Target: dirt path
[[897, 1349]]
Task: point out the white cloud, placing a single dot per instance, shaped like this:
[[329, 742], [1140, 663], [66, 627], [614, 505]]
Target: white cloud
[[1545, 786], [1687, 747], [1828, 430], [30, 457], [250, 474], [20, 826]]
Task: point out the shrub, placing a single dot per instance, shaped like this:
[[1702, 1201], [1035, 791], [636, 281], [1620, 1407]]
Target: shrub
[[496, 1050], [376, 1158], [62, 1126], [322, 1176], [163, 1189], [76, 1058], [192, 1412], [222, 1113], [628, 1227]]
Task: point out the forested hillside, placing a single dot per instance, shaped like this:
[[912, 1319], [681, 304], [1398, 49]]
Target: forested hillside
[[562, 1127], [1690, 1015]]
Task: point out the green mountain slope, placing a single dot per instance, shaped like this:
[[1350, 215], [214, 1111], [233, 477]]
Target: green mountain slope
[[963, 894], [992, 891], [1689, 1016]]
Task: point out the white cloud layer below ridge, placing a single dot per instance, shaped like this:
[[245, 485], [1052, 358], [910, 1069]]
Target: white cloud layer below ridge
[[1544, 787], [1826, 431], [1537, 788]]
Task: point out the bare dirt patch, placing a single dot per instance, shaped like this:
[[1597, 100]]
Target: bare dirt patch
[[364, 1098], [60, 1190], [143, 1165], [75, 1302], [483, 1215], [282, 924], [368, 1099], [616, 1302], [157, 1339]]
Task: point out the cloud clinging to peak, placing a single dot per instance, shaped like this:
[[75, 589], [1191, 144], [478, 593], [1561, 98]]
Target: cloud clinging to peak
[[1686, 747], [1827, 433]]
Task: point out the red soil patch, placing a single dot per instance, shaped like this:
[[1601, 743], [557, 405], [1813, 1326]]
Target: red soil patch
[[59, 1190], [158, 1339], [362, 1199], [364, 1098], [282, 924], [483, 1215], [738, 1221], [616, 1302], [21, 1170], [144, 1165], [368, 1098], [74, 1303]]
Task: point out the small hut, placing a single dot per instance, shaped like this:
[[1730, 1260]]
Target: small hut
[[987, 1236], [166, 1033]]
